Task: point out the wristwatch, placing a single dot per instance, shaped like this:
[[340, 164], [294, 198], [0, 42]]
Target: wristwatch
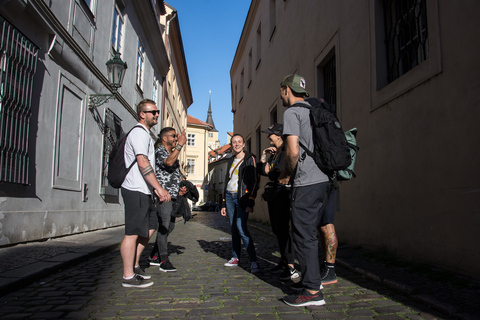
[[179, 147]]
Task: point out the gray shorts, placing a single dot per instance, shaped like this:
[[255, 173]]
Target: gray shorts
[[137, 212]]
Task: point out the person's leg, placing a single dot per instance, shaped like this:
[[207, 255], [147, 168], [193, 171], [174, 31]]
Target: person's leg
[[242, 218], [230, 202], [164, 211], [137, 207], [329, 242], [127, 251], [307, 210]]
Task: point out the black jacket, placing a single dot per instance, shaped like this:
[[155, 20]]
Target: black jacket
[[248, 181]]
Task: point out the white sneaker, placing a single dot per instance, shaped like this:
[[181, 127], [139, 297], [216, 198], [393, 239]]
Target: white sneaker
[[232, 263], [254, 267]]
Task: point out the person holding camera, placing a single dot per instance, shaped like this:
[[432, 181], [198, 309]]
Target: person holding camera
[[277, 196]]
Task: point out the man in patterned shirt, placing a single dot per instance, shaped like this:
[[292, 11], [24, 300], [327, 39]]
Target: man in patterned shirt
[[167, 171]]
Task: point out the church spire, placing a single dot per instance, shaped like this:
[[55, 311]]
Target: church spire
[[209, 114]]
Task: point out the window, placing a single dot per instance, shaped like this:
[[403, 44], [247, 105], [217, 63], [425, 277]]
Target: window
[[327, 77], [155, 89], [117, 30], [140, 65], [190, 168], [273, 115], [259, 45], [273, 18], [330, 82], [259, 142], [242, 79], [406, 35], [210, 135], [18, 60], [191, 139], [113, 129], [220, 175], [249, 68]]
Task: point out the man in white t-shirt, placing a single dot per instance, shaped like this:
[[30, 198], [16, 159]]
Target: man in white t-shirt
[[137, 194]]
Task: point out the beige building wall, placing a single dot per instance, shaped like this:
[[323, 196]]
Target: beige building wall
[[418, 179], [177, 94], [196, 154]]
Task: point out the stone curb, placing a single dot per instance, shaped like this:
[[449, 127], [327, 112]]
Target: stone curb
[[396, 286]]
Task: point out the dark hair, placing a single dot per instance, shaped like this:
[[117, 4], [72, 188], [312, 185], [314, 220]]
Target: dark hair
[[237, 135], [164, 131], [141, 105]]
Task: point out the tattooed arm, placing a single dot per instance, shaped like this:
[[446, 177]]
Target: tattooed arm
[[149, 175]]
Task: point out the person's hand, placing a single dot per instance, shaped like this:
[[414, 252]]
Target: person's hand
[[182, 191], [223, 212], [283, 178], [271, 150], [248, 209], [163, 195], [182, 138]]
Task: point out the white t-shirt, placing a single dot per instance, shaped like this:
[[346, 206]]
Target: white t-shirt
[[232, 185], [138, 142]]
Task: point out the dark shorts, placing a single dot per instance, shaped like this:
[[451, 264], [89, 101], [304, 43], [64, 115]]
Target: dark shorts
[[137, 212], [329, 214]]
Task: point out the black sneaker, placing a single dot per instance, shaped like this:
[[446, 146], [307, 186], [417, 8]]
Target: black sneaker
[[153, 261], [136, 282], [166, 266], [304, 298], [328, 276], [141, 273], [289, 273]]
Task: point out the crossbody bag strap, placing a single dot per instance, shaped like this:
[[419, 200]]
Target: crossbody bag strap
[[231, 174]]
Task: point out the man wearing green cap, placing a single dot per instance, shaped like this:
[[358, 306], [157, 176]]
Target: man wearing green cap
[[309, 191]]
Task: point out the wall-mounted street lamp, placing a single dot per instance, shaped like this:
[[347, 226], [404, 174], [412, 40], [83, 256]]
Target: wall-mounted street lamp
[[116, 72]]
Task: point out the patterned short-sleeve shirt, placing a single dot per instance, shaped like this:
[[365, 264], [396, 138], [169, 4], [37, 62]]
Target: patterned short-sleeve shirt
[[168, 177]]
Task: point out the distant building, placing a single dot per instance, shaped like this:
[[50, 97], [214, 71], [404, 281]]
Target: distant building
[[196, 164], [217, 168], [213, 142], [405, 73]]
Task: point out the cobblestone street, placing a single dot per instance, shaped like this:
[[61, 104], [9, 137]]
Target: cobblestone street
[[202, 288]]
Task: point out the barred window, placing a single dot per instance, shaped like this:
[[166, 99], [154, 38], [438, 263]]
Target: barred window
[[330, 82], [112, 131], [406, 35], [18, 61]]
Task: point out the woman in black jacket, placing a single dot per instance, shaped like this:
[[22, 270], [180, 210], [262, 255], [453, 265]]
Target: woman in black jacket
[[241, 185]]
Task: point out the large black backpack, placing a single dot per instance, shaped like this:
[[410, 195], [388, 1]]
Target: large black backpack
[[331, 150], [117, 170]]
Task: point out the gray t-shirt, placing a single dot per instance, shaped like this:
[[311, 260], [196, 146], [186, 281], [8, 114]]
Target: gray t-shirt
[[296, 122]]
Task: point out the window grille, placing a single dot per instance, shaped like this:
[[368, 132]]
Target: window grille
[[191, 139], [406, 35], [112, 131], [18, 61], [330, 82]]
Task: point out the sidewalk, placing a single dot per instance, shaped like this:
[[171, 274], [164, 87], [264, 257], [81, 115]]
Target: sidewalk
[[203, 288]]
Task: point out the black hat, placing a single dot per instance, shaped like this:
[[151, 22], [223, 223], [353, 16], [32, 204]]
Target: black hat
[[276, 129]]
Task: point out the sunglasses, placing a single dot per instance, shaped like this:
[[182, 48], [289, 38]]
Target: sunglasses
[[154, 112]]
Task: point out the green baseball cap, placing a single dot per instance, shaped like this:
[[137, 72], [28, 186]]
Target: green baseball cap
[[296, 83]]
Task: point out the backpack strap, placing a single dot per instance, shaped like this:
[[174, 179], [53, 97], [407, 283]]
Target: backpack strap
[[135, 160]]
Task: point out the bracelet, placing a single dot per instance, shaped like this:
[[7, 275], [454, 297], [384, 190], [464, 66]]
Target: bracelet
[[179, 147]]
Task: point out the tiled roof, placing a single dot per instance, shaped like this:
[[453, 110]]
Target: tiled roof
[[198, 122]]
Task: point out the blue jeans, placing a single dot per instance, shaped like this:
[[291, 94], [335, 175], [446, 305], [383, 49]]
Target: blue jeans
[[238, 224]]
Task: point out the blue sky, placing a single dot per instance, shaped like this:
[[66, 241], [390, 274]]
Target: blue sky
[[210, 31]]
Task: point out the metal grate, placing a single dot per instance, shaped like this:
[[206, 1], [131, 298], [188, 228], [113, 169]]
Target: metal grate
[[330, 82], [18, 61], [406, 35], [112, 131]]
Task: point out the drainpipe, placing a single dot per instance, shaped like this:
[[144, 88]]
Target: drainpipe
[[167, 47]]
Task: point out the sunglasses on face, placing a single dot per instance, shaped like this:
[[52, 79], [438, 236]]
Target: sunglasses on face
[[153, 112]]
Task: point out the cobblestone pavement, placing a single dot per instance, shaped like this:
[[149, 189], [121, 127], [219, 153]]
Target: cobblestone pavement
[[201, 288]]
